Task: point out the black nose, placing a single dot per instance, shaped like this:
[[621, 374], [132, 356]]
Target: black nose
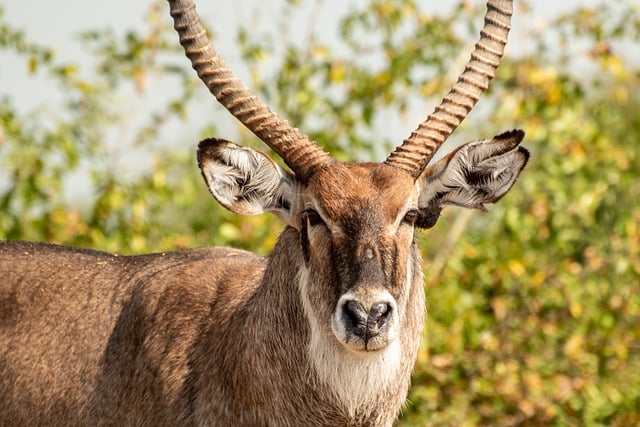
[[366, 324], [380, 313], [355, 314]]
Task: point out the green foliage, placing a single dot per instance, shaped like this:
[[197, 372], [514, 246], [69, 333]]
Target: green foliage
[[534, 308]]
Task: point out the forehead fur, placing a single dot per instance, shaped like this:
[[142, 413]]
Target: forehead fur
[[351, 187]]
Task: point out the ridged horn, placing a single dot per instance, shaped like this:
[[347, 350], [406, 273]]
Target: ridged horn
[[301, 154], [416, 151]]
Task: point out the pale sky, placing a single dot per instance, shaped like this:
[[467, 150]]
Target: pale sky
[[56, 23]]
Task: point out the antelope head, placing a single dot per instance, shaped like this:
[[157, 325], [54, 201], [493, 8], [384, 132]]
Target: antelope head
[[359, 267]]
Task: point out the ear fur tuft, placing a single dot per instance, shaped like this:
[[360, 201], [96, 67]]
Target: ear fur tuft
[[474, 175]]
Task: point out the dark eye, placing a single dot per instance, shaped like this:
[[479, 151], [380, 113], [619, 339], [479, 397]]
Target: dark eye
[[313, 216], [411, 216]]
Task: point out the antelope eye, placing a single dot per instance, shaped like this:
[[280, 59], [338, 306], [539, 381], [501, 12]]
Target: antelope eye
[[411, 216], [313, 216]]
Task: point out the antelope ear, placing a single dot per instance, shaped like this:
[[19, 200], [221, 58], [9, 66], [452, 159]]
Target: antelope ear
[[244, 180], [475, 174]]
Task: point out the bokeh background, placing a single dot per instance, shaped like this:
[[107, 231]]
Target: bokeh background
[[534, 307]]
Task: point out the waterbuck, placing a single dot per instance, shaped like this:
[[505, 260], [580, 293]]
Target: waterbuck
[[323, 331]]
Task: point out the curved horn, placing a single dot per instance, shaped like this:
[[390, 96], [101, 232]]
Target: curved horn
[[302, 155], [416, 151]]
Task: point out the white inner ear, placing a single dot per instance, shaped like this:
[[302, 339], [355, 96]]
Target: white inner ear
[[503, 171], [247, 181]]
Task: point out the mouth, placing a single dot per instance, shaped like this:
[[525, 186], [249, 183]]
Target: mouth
[[366, 344]]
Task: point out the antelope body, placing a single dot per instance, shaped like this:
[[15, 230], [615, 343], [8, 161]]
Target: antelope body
[[324, 331]]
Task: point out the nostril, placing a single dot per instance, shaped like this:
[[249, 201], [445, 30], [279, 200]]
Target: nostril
[[380, 313], [355, 313]]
